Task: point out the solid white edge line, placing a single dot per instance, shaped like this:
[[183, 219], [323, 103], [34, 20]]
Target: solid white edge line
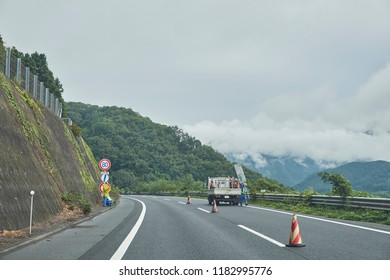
[[201, 209], [129, 238], [263, 236], [323, 220]]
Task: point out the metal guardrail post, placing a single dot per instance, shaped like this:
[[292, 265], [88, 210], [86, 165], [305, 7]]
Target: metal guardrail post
[[60, 110], [52, 102], [35, 87], [18, 70], [8, 62], [56, 108], [27, 80], [47, 97], [41, 92]]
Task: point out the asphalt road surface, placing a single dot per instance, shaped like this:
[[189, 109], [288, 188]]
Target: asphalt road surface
[[167, 228]]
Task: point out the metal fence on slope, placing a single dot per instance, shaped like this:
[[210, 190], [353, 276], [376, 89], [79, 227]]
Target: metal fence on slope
[[14, 69]]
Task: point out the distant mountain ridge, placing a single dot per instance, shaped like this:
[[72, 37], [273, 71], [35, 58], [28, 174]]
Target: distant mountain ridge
[[287, 170], [301, 174], [372, 177]]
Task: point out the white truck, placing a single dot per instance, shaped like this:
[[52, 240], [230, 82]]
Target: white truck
[[223, 189]]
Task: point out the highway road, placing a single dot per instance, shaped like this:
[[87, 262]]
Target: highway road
[[167, 228]]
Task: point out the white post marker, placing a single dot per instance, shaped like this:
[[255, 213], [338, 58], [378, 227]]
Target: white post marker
[[32, 199]]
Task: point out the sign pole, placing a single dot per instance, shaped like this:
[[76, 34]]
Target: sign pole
[[104, 187]]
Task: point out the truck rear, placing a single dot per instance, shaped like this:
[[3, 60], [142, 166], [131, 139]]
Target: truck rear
[[223, 189]]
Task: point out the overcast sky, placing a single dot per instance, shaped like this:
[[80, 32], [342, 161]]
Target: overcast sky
[[304, 78]]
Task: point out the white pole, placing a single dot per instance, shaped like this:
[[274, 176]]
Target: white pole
[[32, 199]]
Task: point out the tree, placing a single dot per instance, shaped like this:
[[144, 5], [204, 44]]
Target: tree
[[39, 66], [341, 186]]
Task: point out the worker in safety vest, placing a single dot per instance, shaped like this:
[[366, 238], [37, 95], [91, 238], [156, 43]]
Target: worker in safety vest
[[107, 201], [244, 194]]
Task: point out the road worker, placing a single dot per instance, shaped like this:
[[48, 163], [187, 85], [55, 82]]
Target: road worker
[[244, 194]]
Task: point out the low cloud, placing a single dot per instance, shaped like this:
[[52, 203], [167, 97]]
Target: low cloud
[[311, 124]]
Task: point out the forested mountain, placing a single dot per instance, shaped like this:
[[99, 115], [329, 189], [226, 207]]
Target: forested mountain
[[372, 177], [143, 151]]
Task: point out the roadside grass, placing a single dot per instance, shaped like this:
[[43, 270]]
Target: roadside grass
[[75, 201]]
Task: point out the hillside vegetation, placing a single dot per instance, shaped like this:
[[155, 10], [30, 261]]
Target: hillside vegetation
[[372, 177], [38, 66], [142, 151], [39, 152]]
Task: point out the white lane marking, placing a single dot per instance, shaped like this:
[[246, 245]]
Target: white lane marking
[[181, 202], [263, 236], [129, 238], [167, 199], [323, 220], [201, 209]]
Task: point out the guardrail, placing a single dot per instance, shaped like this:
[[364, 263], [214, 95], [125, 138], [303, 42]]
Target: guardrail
[[357, 202]]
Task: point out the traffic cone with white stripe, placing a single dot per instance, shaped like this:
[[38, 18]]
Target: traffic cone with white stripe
[[214, 209], [189, 200], [295, 235]]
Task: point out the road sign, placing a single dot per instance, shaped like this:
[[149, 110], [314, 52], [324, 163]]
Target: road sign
[[240, 173], [105, 178], [105, 164], [101, 186]]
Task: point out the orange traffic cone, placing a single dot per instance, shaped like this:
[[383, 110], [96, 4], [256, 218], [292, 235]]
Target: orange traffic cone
[[189, 200], [214, 209], [295, 235]]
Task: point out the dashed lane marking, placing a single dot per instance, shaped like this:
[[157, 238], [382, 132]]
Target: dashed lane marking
[[201, 209], [262, 236]]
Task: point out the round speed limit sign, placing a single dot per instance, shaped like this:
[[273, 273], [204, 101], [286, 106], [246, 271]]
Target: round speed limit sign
[[105, 164]]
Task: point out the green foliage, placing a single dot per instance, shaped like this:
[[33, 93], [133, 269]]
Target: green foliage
[[184, 184], [356, 193], [341, 186], [76, 130], [372, 177], [31, 131], [143, 152], [76, 200], [160, 185], [84, 171], [39, 66], [270, 186], [26, 124], [308, 193]]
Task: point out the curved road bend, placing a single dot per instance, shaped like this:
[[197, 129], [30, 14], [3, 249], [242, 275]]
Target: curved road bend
[[168, 228]]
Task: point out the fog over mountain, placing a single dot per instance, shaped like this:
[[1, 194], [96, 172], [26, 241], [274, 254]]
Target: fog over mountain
[[287, 170]]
